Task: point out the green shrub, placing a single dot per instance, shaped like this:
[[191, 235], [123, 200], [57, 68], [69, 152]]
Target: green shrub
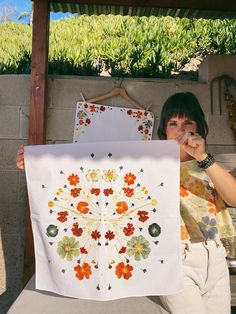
[[123, 46]]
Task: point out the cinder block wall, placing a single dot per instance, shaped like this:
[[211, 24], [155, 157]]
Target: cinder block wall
[[63, 93]]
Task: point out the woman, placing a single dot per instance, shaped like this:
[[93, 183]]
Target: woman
[[204, 219], [204, 185]]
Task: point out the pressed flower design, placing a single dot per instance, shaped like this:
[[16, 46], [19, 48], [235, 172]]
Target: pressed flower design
[[138, 247], [67, 248], [123, 270], [112, 212], [109, 175], [86, 112], [93, 175], [83, 271]]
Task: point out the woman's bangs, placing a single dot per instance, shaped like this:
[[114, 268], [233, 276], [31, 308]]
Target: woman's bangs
[[182, 111]]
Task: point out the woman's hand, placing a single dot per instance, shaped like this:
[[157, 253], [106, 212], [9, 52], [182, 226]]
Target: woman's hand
[[225, 184], [193, 144], [20, 162]]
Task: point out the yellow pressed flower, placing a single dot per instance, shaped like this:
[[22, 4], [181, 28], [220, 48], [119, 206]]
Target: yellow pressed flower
[[154, 202], [50, 203], [93, 175], [109, 175]]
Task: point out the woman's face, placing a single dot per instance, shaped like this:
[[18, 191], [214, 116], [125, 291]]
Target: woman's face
[[177, 126]]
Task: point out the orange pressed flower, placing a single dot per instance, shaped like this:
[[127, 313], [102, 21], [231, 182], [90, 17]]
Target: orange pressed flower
[[109, 235], [83, 271], [82, 207], [96, 235], [76, 230], [50, 203], [184, 233], [75, 192], [128, 192], [62, 216], [122, 207], [108, 192], [143, 215], [73, 179], [83, 250], [95, 191], [129, 178], [122, 250], [92, 108], [139, 114], [183, 191], [124, 270], [129, 229]]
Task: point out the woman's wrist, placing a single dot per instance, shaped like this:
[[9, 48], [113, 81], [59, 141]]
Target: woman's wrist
[[202, 157], [206, 162]]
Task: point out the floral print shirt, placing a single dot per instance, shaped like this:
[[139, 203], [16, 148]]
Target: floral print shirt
[[203, 213]]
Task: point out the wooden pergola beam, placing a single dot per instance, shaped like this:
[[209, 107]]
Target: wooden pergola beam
[[39, 71], [38, 94], [211, 5]]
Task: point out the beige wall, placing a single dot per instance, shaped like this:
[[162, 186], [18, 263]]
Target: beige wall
[[63, 94]]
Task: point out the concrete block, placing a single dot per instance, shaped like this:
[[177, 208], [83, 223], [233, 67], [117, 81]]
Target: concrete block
[[12, 218], [24, 122], [217, 65], [154, 92], [8, 149], [12, 247], [66, 91], [14, 90], [219, 131], [9, 121], [60, 124], [8, 185], [221, 149]]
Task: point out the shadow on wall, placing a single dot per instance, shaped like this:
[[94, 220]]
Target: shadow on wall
[[12, 209]]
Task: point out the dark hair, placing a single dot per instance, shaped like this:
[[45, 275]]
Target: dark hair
[[182, 105]]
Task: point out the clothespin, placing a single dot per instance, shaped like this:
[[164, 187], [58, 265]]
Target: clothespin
[[82, 96]]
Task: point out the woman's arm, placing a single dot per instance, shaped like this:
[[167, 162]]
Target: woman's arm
[[20, 163], [223, 181]]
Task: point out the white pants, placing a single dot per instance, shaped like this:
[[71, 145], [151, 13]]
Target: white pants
[[206, 281]]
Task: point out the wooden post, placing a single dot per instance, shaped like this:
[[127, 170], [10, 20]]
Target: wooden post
[[37, 123]]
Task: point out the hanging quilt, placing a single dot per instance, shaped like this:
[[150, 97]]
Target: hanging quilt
[[96, 123], [105, 218]]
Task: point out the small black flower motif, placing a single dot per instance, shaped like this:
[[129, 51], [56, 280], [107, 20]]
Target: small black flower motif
[[109, 155], [92, 155]]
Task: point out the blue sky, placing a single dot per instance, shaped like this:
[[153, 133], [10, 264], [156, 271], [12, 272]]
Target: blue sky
[[20, 6]]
